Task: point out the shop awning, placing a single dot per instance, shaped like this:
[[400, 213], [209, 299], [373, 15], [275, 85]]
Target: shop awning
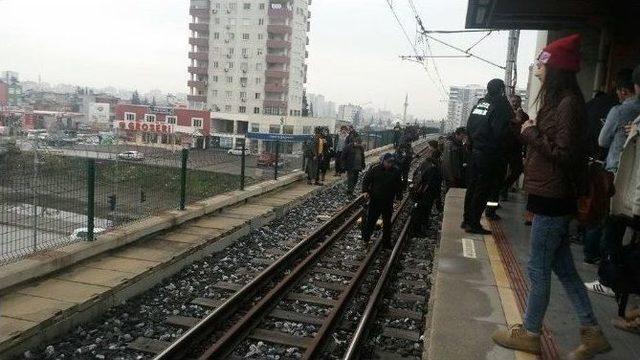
[[537, 14]]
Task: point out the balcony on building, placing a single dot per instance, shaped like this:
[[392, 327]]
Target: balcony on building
[[199, 55], [202, 28], [277, 59], [202, 13], [278, 44], [279, 29], [280, 74], [280, 13], [197, 84], [198, 70], [197, 98], [275, 103], [199, 41], [275, 87]]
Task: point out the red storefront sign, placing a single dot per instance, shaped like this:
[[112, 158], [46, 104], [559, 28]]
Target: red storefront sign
[[145, 127]]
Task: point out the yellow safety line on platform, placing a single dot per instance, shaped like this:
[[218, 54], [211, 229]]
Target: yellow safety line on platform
[[505, 290]]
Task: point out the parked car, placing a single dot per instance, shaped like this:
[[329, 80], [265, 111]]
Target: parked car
[[131, 155], [236, 152], [269, 160], [81, 234]]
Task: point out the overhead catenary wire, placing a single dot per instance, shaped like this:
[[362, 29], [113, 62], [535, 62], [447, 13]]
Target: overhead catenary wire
[[413, 46], [428, 46]]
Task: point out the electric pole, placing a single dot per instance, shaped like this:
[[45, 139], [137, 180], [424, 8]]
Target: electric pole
[[511, 71]]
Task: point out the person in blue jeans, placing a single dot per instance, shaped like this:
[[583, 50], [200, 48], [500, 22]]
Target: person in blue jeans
[[556, 155]]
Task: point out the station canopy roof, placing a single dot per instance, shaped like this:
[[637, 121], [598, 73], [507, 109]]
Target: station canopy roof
[[546, 14]]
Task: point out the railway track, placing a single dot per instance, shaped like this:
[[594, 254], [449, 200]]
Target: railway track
[[333, 266]]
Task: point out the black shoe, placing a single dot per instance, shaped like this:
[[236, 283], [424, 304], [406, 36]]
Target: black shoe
[[478, 230]]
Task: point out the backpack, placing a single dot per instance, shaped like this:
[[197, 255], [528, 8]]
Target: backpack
[[622, 276], [593, 205]]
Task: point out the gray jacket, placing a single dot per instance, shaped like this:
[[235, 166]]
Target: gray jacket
[[612, 135]]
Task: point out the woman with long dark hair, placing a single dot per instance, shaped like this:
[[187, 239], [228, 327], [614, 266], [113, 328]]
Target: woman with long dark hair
[[556, 154]]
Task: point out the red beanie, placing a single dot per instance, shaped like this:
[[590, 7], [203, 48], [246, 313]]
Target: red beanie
[[563, 54]]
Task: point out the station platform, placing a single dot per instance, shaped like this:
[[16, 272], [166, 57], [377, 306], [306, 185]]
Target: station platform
[[480, 286]]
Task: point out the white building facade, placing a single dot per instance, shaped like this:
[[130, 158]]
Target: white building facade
[[349, 112], [461, 100], [248, 57]]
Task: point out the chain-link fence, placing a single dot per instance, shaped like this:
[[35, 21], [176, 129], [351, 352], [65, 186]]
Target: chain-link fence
[[50, 192]]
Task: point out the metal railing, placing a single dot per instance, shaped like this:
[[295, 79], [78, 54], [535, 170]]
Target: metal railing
[[52, 195]]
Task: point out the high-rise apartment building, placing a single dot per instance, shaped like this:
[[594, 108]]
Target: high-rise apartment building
[[461, 101], [248, 56]]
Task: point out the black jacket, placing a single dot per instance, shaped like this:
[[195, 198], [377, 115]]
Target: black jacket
[[353, 157], [404, 155], [454, 158], [427, 179], [382, 185], [488, 126]]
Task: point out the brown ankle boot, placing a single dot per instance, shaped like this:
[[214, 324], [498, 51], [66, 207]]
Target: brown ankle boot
[[516, 337], [593, 342]]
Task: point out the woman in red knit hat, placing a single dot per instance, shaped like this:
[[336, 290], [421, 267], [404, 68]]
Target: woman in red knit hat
[[556, 152]]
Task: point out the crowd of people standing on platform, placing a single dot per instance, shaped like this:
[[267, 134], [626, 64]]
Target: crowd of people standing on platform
[[581, 164]]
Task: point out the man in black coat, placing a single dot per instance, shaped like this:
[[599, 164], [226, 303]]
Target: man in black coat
[[381, 185], [404, 157], [488, 127], [426, 190]]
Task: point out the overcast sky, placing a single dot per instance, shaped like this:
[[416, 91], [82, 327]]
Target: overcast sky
[[353, 54]]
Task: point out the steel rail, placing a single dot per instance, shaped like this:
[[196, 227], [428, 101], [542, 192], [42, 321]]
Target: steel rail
[[372, 305], [225, 345], [181, 347], [314, 350]]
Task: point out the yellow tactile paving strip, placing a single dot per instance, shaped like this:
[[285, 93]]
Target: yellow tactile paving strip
[[505, 290]]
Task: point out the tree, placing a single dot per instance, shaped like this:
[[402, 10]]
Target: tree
[[135, 98], [311, 109], [305, 104]]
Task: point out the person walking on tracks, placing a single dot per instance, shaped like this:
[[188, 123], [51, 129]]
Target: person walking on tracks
[[426, 190], [487, 127], [381, 186], [404, 158], [353, 160], [554, 174]]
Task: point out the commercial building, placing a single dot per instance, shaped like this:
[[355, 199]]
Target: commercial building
[[248, 57], [230, 130], [162, 126], [11, 88]]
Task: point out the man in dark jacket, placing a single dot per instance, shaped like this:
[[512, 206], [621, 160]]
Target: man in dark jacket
[[454, 159], [353, 160], [425, 190], [488, 126], [381, 185], [404, 157]]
